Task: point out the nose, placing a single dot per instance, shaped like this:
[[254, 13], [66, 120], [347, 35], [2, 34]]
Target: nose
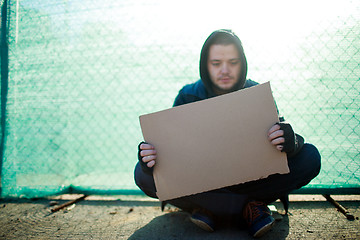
[[224, 68]]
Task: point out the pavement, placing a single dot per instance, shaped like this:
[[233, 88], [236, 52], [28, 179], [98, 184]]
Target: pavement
[[140, 217]]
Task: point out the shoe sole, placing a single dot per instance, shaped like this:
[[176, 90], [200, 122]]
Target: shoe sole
[[264, 229], [202, 225]]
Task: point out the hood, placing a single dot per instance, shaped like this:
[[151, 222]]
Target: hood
[[222, 36]]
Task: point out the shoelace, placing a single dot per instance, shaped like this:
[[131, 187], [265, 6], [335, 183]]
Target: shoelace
[[254, 210]]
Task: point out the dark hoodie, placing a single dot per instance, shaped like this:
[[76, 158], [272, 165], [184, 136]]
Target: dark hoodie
[[204, 88]]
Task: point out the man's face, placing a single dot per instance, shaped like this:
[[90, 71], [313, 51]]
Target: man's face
[[224, 67]]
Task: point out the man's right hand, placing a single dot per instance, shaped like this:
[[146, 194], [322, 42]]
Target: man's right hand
[[148, 154]]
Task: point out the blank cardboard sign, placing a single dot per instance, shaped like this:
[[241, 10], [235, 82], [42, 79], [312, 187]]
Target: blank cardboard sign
[[214, 143]]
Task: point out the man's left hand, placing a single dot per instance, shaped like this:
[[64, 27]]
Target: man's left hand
[[276, 137]]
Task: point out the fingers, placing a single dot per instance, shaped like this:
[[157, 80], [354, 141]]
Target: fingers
[[277, 141], [148, 154], [147, 150], [146, 146], [275, 136], [273, 129], [275, 133], [145, 153], [151, 164], [148, 158]]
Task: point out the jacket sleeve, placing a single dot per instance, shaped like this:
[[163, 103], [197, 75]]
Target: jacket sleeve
[[143, 165]]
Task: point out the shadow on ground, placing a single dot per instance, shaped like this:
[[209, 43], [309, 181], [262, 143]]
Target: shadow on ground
[[177, 225]]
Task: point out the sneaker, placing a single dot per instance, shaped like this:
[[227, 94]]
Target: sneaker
[[203, 219], [258, 218]]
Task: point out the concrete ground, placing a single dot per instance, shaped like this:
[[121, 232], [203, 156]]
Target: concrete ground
[[139, 217]]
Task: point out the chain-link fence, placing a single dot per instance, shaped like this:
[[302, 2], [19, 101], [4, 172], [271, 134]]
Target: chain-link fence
[[80, 72]]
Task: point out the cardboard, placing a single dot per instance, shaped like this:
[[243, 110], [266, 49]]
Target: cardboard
[[214, 143]]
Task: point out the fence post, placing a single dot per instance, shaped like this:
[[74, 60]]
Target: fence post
[[4, 76]]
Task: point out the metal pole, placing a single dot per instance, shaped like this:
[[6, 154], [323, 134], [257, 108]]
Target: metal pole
[[339, 207]]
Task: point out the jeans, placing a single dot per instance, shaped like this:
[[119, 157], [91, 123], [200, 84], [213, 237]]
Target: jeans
[[231, 200]]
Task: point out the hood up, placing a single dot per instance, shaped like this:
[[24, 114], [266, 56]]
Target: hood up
[[224, 37]]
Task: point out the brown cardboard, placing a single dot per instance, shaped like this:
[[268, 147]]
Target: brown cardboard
[[214, 143]]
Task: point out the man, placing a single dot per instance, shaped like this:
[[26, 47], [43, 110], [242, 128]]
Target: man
[[223, 69]]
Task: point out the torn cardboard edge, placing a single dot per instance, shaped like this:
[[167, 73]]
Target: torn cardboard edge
[[214, 143]]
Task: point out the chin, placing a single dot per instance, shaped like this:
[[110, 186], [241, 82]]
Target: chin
[[226, 87]]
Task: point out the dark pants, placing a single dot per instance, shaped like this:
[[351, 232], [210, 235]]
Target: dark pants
[[230, 200]]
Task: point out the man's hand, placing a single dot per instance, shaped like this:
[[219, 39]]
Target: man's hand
[[283, 137], [276, 137], [148, 154]]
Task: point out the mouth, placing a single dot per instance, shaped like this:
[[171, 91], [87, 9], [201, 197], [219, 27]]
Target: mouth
[[225, 80]]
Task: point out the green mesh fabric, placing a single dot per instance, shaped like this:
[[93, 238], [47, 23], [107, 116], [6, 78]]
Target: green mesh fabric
[[80, 73]]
